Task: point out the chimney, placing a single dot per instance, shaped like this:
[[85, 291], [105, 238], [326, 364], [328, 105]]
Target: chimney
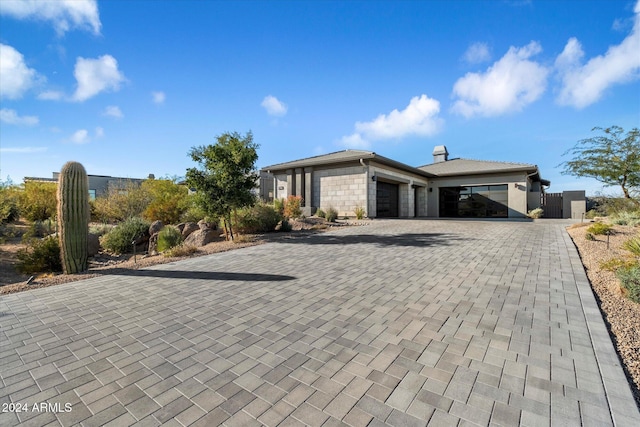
[[440, 154]]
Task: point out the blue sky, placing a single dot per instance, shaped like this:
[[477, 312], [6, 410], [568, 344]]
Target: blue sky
[[128, 87]]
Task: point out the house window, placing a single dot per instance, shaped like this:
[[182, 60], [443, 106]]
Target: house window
[[92, 194], [480, 201]]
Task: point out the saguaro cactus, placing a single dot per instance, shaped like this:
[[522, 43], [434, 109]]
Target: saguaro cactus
[[73, 217]]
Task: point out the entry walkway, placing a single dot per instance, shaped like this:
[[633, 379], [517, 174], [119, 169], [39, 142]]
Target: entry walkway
[[401, 323]]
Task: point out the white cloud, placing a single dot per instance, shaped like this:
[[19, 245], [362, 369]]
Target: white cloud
[[113, 111], [80, 137], [274, 106], [23, 150], [63, 14], [477, 53], [508, 85], [158, 97], [11, 117], [95, 76], [50, 95], [16, 77], [584, 84], [420, 118]]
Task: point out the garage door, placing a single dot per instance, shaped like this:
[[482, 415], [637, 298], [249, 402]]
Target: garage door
[[386, 200]]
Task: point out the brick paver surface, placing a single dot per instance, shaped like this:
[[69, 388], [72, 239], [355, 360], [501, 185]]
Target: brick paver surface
[[401, 323]]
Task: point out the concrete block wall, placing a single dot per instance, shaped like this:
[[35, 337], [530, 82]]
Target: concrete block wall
[[341, 188]]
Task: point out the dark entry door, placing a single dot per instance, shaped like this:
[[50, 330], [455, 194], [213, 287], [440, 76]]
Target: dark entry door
[[387, 200]]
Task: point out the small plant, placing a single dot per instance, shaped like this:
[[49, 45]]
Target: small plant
[[285, 226], [40, 256], [100, 229], [591, 214], [292, 207], [259, 218], [630, 282], [535, 213], [617, 263], [599, 228], [180, 251], [320, 213], [589, 237], [119, 239], [633, 246], [359, 211], [630, 218], [168, 238], [278, 205], [331, 215]]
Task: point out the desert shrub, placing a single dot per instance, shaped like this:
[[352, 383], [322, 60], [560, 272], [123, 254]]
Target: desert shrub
[[359, 211], [168, 201], [320, 213], [121, 203], [9, 204], [611, 206], [292, 207], [38, 200], [617, 263], [535, 213], [119, 239], [168, 238], [259, 218], [630, 282], [589, 237], [631, 218], [592, 213], [100, 229], [40, 256], [181, 250], [633, 246], [278, 205], [38, 229], [331, 215], [7, 231], [599, 228]]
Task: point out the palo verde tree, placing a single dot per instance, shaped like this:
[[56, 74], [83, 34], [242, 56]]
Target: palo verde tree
[[612, 158], [226, 175]]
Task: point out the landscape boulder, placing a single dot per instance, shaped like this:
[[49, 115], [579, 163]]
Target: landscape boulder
[[201, 237], [153, 244], [188, 228], [93, 244], [155, 227], [204, 225]]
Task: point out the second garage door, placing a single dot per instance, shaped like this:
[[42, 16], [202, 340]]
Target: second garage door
[[386, 200]]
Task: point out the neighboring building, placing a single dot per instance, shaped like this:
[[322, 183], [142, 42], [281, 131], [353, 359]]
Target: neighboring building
[[99, 185], [386, 188]]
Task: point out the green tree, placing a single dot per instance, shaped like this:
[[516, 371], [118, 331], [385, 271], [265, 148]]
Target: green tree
[[38, 201], [226, 175], [612, 158], [169, 200]]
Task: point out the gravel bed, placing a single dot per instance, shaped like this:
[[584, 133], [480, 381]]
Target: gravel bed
[[621, 315]]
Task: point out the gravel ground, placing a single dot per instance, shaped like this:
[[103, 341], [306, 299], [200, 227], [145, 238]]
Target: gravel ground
[[621, 314]]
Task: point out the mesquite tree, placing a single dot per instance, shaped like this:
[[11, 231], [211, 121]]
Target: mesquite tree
[[73, 217], [613, 159], [226, 175]]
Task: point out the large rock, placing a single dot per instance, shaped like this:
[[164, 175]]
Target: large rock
[[153, 244], [189, 228], [155, 227], [204, 225], [201, 237], [93, 244]]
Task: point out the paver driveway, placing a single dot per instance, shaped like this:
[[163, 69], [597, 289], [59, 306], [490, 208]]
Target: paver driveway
[[402, 322]]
